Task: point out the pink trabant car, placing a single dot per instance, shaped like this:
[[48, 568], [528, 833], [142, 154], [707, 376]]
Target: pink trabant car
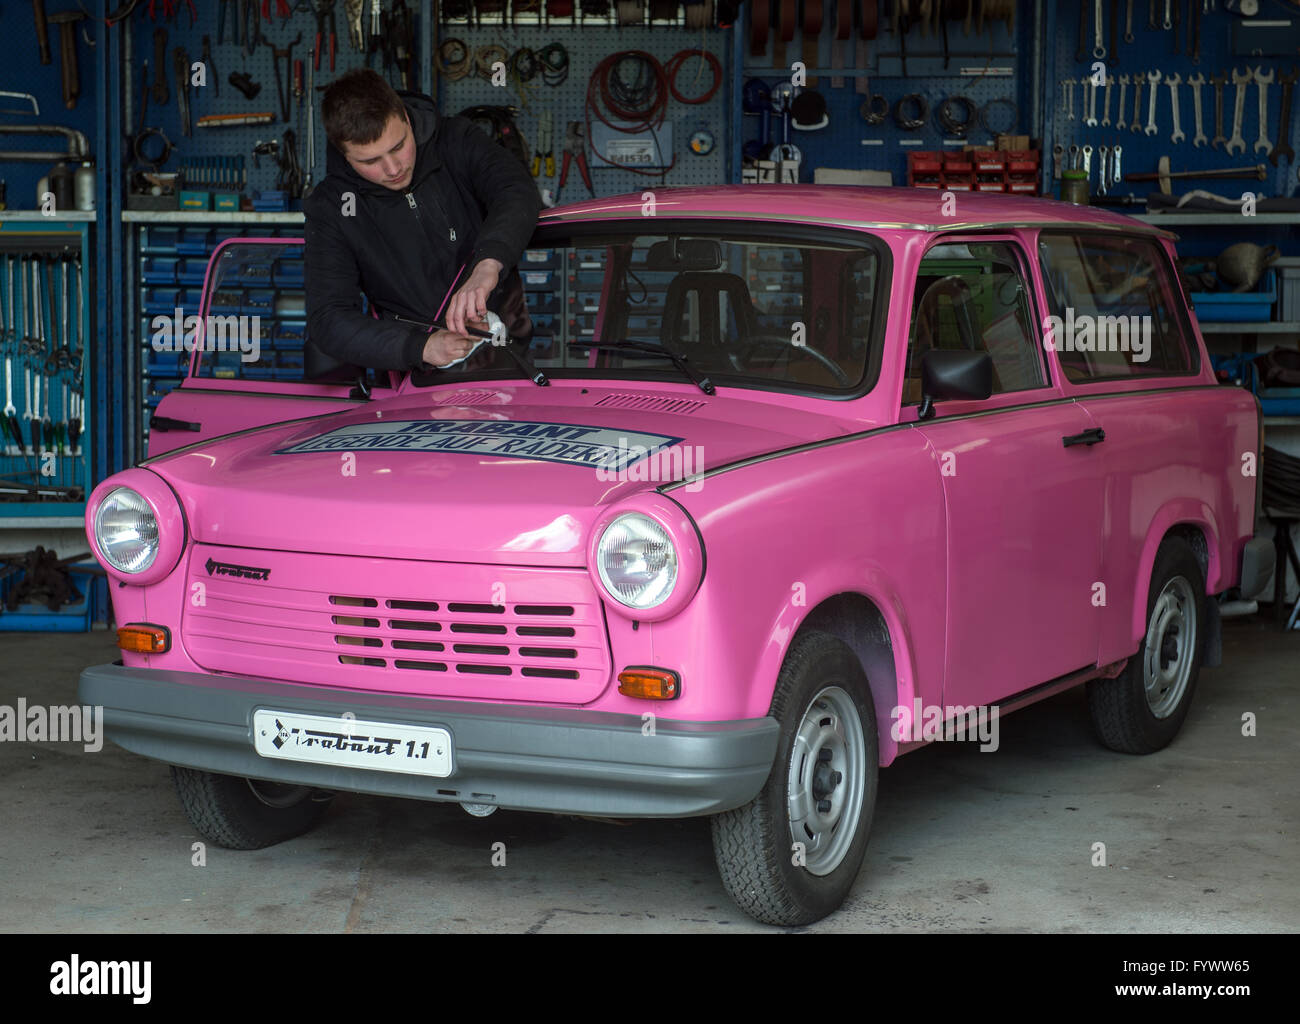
[[783, 472]]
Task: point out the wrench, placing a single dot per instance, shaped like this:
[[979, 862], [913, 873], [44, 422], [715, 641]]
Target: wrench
[[160, 93], [1153, 77], [1195, 49], [1169, 21], [1283, 147], [1098, 51], [1239, 109], [1138, 81], [1090, 91], [1218, 81], [1196, 81], [1087, 161], [1068, 86], [1128, 22], [1114, 157], [1263, 83], [1122, 123], [1173, 81], [1074, 157], [1151, 16], [1058, 153], [1105, 103], [1104, 170]]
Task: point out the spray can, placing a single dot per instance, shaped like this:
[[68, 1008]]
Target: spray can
[[83, 185]]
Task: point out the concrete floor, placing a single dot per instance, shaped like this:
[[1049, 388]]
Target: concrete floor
[[1201, 837]]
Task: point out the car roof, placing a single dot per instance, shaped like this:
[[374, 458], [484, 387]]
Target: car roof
[[857, 206]]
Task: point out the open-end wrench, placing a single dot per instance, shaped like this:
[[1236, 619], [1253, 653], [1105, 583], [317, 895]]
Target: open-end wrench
[[1115, 153], [1122, 122], [1196, 81], [1098, 51], [1263, 82], [1283, 147], [1239, 109], [1068, 86], [1103, 175], [1218, 81], [1090, 91], [1105, 102], [1113, 59], [1194, 47], [1138, 82], [1153, 78], [1174, 81]]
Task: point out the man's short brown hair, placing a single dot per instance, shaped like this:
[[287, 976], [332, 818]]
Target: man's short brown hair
[[356, 108]]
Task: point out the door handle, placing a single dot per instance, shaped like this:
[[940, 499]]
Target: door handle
[[1091, 436], [165, 423]]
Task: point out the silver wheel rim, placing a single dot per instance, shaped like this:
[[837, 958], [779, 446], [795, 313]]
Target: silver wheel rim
[[825, 780], [278, 794], [1170, 647]]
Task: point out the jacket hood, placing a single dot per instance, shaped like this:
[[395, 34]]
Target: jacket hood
[[425, 122]]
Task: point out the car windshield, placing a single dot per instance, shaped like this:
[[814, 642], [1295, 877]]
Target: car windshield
[[745, 309]]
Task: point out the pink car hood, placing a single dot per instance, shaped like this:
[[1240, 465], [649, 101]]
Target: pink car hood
[[387, 479]]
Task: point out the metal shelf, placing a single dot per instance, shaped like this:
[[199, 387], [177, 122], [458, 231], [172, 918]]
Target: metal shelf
[[29, 216], [1220, 219], [1252, 327], [209, 217]]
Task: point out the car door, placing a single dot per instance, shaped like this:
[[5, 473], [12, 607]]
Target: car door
[[246, 350], [1020, 478]]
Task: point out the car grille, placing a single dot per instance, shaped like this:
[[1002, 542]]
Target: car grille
[[428, 628]]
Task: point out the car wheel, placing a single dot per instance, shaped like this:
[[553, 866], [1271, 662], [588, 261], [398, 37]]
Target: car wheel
[[1141, 710], [247, 814], [791, 855]]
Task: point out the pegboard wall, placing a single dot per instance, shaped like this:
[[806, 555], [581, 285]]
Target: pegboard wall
[[984, 64], [586, 47], [1152, 49]]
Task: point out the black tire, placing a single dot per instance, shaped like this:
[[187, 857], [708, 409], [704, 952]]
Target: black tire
[[244, 814], [754, 845], [1141, 710]]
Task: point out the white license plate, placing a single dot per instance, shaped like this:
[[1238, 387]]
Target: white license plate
[[353, 743]]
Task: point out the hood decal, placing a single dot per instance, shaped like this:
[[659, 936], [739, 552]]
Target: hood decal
[[575, 444]]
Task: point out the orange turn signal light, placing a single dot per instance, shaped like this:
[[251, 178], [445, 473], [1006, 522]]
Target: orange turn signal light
[[649, 683], [142, 638]]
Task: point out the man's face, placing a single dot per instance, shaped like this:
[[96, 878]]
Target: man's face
[[390, 159]]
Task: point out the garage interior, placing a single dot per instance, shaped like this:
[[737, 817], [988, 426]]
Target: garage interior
[[138, 137]]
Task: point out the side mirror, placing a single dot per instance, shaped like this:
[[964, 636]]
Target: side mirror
[[949, 374]]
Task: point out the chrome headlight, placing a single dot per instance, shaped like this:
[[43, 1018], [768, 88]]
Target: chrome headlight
[[126, 531], [637, 561]]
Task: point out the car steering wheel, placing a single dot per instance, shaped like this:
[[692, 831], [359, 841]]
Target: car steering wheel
[[759, 342]]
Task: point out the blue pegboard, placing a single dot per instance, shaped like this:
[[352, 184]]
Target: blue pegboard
[[1153, 50], [982, 67]]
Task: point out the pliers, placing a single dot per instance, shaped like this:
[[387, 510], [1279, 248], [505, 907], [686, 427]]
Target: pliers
[[282, 8], [574, 146], [325, 30]]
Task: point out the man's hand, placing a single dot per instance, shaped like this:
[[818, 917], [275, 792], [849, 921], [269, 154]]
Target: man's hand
[[470, 300], [444, 347]]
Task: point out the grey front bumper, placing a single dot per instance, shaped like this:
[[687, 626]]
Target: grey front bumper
[[530, 758]]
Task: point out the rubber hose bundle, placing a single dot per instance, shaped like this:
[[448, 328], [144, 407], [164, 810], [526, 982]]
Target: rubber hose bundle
[[633, 87], [453, 60], [674, 66]]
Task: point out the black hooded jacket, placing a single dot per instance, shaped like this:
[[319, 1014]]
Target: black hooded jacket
[[468, 200]]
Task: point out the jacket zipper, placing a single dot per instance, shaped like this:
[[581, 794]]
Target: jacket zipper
[[451, 231]]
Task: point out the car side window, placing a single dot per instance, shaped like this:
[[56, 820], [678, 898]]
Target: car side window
[[974, 296], [1113, 302]]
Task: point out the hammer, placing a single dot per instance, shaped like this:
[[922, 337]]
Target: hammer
[[67, 22], [1164, 175]]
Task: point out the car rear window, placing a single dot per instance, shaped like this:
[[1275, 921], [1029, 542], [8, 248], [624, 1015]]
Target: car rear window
[[1114, 308]]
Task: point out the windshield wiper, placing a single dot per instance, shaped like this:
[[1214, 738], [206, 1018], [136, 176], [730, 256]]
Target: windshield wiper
[[627, 345]]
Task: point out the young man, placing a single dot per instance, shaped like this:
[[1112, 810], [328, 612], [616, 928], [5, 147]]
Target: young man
[[409, 197]]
